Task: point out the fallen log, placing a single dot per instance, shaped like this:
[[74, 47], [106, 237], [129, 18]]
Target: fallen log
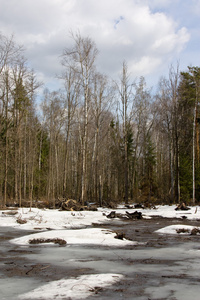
[[71, 204], [182, 206], [195, 231], [111, 215], [139, 205], [119, 235], [182, 230], [10, 212], [21, 221], [135, 215], [129, 206]]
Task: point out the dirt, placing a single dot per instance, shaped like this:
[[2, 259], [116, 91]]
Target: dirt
[[17, 261]]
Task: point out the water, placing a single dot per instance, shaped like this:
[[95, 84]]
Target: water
[[165, 267], [164, 273]]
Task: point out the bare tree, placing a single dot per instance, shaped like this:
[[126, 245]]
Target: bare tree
[[168, 124], [54, 117], [101, 102], [125, 90], [10, 55], [174, 83], [10, 52], [72, 88], [81, 57]]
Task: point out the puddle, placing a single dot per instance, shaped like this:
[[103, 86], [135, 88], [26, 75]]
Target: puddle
[[174, 290], [12, 287]]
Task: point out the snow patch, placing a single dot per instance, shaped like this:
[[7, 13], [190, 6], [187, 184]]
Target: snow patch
[[74, 288], [95, 236], [172, 229], [55, 219]]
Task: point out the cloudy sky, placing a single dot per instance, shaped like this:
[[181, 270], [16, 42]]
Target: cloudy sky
[[149, 34]]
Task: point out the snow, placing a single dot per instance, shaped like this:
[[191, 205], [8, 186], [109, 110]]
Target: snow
[[95, 236], [55, 219], [172, 229], [76, 288], [165, 211], [50, 218], [76, 228]]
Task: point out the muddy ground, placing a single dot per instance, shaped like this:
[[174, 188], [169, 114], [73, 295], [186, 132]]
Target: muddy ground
[[20, 262]]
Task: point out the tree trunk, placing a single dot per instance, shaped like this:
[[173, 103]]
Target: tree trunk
[[85, 140], [25, 158], [6, 143], [66, 162], [193, 153]]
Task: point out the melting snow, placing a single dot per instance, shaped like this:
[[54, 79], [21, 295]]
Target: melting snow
[[73, 227], [74, 288], [172, 229], [95, 236], [55, 219]]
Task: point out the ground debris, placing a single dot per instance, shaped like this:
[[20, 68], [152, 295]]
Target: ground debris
[[182, 230], [120, 235], [43, 241], [135, 215], [70, 204], [73, 205], [111, 215], [139, 205], [10, 212], [195, 231], [21, 221], [182, 206], [129, 206], [96, 289]]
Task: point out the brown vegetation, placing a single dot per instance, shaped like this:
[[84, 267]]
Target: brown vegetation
[[61, 242]]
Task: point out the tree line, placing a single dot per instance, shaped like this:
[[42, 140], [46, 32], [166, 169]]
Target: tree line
[[96, 140]]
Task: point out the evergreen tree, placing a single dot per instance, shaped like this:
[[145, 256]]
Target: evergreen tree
[[189, 96]]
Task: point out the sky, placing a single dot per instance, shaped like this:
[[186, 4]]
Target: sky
[[150, 35]]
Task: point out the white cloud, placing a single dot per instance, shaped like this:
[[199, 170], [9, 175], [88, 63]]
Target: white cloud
[[196, 7], [145, 65], [121, 29], [160, 4]]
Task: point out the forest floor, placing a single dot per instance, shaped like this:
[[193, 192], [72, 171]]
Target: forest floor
[[155, 265]]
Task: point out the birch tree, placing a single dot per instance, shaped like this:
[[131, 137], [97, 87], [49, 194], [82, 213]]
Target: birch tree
[[102, 96], [54, 115], [71, 101], [10, 53], [81, 57]]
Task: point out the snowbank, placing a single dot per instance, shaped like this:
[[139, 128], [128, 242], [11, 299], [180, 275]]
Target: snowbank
[[75, 288], [173, 229], [164, 211], [51, 219], [54, 219], [95, 236]]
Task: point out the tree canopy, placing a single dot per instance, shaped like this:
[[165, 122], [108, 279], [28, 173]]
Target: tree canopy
[[97, 140]]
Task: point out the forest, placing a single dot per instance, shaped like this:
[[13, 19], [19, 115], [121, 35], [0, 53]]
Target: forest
[[96, 140]]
